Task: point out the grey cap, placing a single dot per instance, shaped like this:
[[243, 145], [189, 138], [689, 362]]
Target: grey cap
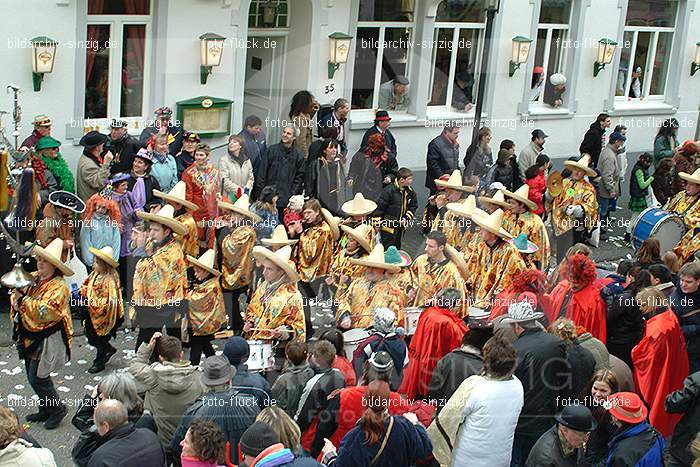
[[521, 312], [401, 79], [216, 370], [539, 134], [381, 361]]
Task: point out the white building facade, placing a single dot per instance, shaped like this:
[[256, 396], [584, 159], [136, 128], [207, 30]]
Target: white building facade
[[124, 58]]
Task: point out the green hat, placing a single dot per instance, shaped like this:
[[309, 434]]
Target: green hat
[[523, 244], [395, 256], [47, 142]]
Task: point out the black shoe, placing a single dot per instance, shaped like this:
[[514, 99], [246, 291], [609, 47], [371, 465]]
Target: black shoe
[[96, 367], [55, 418], [38, 417], [109, 354], [627, 237]]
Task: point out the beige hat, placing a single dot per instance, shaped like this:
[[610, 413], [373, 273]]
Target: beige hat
[[455, 183], [332, 222], [521, 195], [360, 234], [177, 195], [42, 120], [493, 223], [455, 256], [694, 178], [242, 207], [582, 164], [279, 237], [498, 199], [375, 259], [359, 206], [465, 207], [106, 254], [52, 253], [281, 259], [206, 261], [165, 216]]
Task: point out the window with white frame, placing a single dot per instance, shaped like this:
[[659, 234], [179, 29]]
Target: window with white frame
[[268, 14], [457, 44], [645, 51], [116, 58], [550, 51], [382, 48]]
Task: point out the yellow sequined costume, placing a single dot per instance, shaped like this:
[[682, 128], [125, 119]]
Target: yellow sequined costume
[[237, 254], [688, 207], [161, 279], [103, 294], [314, 252], [207, 313], [271, 308], [430, 278], [363, 296], [343, 272], [492, 269], [459, 230], [189, 241], [574, 192], [403, 281], [531, 225]]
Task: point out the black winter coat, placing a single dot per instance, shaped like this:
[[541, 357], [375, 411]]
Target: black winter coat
[[316, 398], [683, 305], [396, 203], [123, 151], [547, 452], [127, 446], [389, 140], [367, 178], [282, 167], [593, 142], [581, 367], [687, 402], [442, 158], [451, 371], [624, 318]]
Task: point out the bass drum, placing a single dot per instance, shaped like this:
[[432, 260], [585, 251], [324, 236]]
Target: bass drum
[[352, 339], [666, 227]]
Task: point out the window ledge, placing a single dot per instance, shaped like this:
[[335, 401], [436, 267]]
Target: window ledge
[[364, 119], [548, 113], [642, 108]]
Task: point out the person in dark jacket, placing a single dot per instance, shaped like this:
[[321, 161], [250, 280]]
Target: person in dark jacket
[[282, 166], [687, 402], [663, 184], [505, 170], [325, 177], [685, 303], [382, 121], [237, 351], [580, 361], [478, 157], [396, 208], [636, 442], [563, 444], [592, 143], [287, 389], [541, 369], [122, 145], [372, 168], [164, 121], [123, 445], [185, 157], [336, 121], [442, 157], [141, 170], [255, 144], [261, 445], [554, 90]]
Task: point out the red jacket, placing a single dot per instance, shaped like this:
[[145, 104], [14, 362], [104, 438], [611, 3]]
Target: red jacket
[[538, 185]]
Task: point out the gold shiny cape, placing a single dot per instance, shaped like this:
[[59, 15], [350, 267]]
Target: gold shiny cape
[[688, 207], [207, 313], [343, 272], [458, 229], [104, 300], [531, 225], [403, 281], [492, 270], [161, 279], [283, 307], [237, 257], [575, 193], [46, 305], [189, 242], [430, 278], [314, 252], [363, 296]]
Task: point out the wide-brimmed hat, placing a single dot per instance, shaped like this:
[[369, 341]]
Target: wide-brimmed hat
[[47, 142], [242, 207], [498, 199], [523, 244], [165, 216], [464, 208], [359, 206], [106, 254], [577, 417], [521, 195], [279, 237], [454, 182], [67, 200], [692, 178], [393, 255], [521, 312], [52, 253], [459, 261], [178, 195], [281, 259], [42, 120], [206, 261], [216, 370], [375, 259], [627, 407], [359, 234], [492, 222], [382, 116], [145, 154], [119, 177], [582, 164], [92, 139], [333, 222]]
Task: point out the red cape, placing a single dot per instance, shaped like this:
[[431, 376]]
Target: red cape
[[586, 307], [660, 366], [438, 333]]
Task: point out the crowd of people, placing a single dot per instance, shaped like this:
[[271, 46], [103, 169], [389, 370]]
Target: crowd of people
[[502, 343]]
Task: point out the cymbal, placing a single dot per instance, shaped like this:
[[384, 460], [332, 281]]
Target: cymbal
[[554, 184]]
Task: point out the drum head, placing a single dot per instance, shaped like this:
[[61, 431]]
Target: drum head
[[669, 232]]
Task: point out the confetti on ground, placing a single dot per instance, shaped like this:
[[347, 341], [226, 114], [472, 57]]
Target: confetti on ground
[[67, 364], [97, 378], [3, 363], [14, 397], [69, 377], [16, 370], [19, 387], [53, 374], [82, 362], [219, 352], [63, 389], [89, 387]]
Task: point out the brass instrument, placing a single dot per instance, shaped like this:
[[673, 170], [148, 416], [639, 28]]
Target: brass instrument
[[555, 184]]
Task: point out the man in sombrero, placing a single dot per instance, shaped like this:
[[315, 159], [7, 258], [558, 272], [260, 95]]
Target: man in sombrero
[[520, 218], [278, 239], [160, 277], [493, 262], [464, 231], [453, 226], [357, 210], [342, 271], [575, 209], [60, 220], [177, 198], [43, 329], [372, 290], [687, 205]]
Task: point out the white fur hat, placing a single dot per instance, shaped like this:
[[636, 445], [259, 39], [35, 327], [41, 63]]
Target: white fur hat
[[296, 202], [557, 78]]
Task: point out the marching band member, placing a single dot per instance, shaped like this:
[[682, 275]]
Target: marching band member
[[403, 280], [314, 252], [105, 309], [493, 261], [445, 220], [686, 205], [521, 218], [43, 329], [206, 312], [494, 202], [460, 214], [177, 198], [527, 249], [342, 272], [357, 210], [278, 239]]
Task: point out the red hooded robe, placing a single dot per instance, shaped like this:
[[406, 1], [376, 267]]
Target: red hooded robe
[[585, 308]]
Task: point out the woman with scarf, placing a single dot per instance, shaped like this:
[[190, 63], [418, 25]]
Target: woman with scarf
[[163, 166], [325, 177], [202, 180], [141, 183], [47, 148], [236, 170], [100, 228], [373, 167], [128, 207]]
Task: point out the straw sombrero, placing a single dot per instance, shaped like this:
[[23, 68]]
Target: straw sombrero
[[177, 195], [692, 178], [493, 223], [454, 256], [206, 261], [523, 244], [582, 164], [376, 260], [358, 206], [281, 259], [279, 238], [242, 207], [465, 207], [165, 216], [454, 182], [521, 195], [52, 253], [498, 199], [360, 234], [332, 222], [106, 254]]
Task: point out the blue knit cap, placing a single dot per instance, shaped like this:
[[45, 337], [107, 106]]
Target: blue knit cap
[[236, 350]]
